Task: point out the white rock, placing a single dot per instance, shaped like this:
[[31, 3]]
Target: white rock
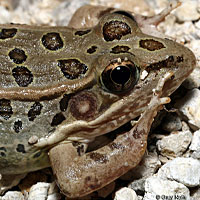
[[193, 81], [138, 184], [39, 191], [140, 197], [12, 195], [195, 145], [182, 170], [171, 122], [187, 11], [125, 194], [44, 191], [157, 188], [189, 107], [175, 144]]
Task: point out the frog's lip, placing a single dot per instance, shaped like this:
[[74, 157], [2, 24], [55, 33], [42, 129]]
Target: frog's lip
[[117, 115], [85, 132], [111, 119]]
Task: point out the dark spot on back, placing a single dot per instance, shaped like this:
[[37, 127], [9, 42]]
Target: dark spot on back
[[151, 44], [114, 30], [22, 75], [52, 41], [17, 55], [57, 119], [17, 126], [81, 33], [72, 68], [34, 111], [20, 148], [92, 49], [7, 33], [120, 49], [5, 109]]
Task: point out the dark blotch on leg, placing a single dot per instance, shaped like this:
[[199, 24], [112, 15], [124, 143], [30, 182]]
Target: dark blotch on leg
[[5, 109], [64, 102], [34, 111], [97, 157], [17, 126], [20, 148]]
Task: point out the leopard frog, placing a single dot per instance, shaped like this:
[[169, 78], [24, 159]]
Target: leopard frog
[[62, 87]]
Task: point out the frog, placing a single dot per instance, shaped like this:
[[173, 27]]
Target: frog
[[62, 87]]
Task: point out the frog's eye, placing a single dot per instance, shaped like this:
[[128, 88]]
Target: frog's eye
[[119, 77]]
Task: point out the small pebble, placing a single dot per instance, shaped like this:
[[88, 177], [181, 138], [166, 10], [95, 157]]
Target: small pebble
[[13, 195], [190, 108], [175, 144], [182, 170], [171, 122], [156, 187], [125, 194]]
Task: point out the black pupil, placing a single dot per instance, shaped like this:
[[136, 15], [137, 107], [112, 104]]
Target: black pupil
[[120, 74]]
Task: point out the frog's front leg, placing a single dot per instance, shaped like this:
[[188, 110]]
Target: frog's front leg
[[79, 175]]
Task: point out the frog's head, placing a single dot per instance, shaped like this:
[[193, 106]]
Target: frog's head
[[123, 75]]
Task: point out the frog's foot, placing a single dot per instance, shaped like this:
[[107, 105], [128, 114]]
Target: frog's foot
[[148, 24], [80, 175]]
